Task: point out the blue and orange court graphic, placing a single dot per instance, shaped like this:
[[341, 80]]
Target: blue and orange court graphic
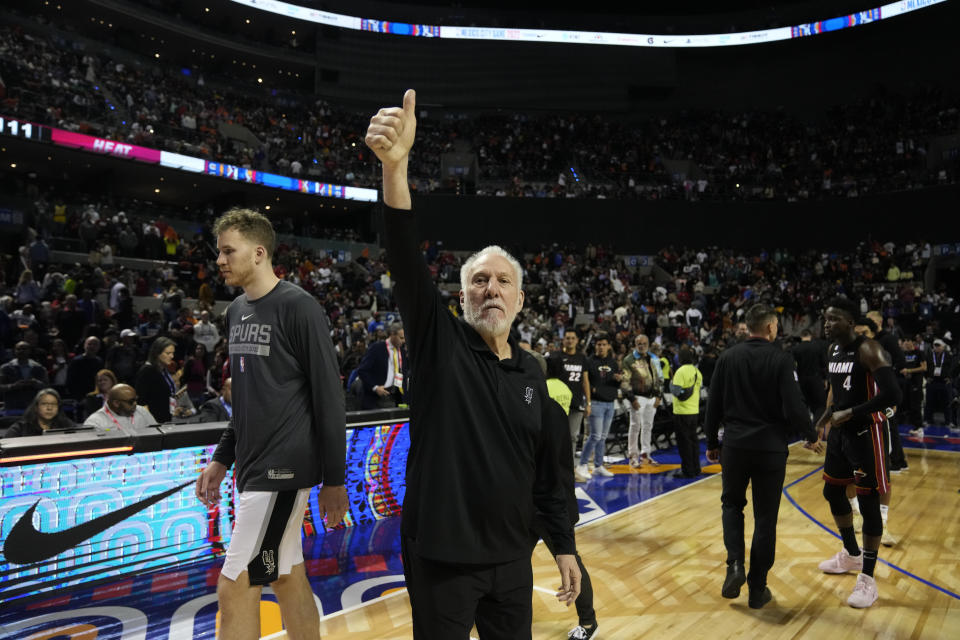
[[346, 567]]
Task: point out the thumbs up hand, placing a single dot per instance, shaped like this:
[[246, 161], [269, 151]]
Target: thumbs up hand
[[391, 132]]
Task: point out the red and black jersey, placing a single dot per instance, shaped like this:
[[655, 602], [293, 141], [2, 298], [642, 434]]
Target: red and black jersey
[[851, 382]]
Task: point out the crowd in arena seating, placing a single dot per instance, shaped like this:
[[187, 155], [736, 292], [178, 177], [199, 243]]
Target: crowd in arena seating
[[63, 325], [59, 314], [876, 145]]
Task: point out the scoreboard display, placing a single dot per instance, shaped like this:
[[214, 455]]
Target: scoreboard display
[[12, 128]]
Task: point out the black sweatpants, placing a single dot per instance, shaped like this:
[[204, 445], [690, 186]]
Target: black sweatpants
[[446, 599], [764, 471], [911, 407]]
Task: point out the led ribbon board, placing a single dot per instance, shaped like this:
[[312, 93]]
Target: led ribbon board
[[12, 127], [502, 34]]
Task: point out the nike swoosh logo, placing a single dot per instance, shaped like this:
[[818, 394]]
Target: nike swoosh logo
[[25, 544], [860, 433], [245, 317]]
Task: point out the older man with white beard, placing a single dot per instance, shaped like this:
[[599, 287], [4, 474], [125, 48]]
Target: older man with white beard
[[483, 458]]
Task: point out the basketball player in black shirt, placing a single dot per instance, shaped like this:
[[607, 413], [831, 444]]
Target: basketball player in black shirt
[[862, 385]]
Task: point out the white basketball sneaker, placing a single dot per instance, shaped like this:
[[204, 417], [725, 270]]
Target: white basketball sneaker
[[842, 562], [864, 593]]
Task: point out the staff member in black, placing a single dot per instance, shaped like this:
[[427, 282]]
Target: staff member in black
[[482, 457], [755, 395], [939, 370], [811, 356], [891, 345], [915, 367]]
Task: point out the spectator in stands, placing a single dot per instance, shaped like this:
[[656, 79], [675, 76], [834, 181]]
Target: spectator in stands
[[171, 301], [383, 370], [91, 308], [41, 415], [7, 324], [123, 358], [741, 333], [205, 332], [154, 384], [21, 379], [219, 409], [93, 401], [195, 374], [152, 327], [70, 322], [205, 295], [353, 357], [120, 411], [118, 286], [39, 256], [57, 363], [27, 291], [219, 371], [83, 368], [24, 318]]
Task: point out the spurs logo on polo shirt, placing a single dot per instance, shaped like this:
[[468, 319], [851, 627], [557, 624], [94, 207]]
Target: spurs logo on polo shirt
[[528, 395]]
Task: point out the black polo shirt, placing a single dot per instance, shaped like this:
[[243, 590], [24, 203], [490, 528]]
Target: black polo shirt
[[480, 462]]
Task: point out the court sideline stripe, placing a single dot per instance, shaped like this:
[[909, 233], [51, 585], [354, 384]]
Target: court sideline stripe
[[786, 492]]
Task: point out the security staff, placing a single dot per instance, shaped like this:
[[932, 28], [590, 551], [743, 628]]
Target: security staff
[[755, 395]]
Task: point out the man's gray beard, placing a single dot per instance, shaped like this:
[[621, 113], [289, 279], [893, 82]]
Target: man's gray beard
[[492, 328]]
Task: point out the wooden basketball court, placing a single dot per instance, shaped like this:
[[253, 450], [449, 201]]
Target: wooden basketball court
[[657, 568]]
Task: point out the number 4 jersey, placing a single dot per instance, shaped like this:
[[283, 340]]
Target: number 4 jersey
[[851, 382]]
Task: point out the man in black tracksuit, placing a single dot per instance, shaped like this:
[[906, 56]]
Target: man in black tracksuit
[[755, 395], [481, 459]]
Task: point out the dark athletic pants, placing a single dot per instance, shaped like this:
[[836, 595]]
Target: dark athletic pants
[[764, 470], [688, 446], [447, 599], [586, 615]]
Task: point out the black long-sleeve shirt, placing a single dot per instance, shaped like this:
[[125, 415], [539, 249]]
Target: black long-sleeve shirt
[[481, 460], [811, 358], [755, 394], [892, 346]]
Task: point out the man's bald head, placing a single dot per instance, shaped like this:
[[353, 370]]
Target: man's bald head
[[122, 399]]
